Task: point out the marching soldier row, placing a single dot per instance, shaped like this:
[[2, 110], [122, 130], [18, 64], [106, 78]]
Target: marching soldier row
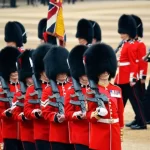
[[51, 98]]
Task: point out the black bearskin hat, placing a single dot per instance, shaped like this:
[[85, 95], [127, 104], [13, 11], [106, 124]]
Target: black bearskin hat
[[42, 27], [75, 61], [24, 35], [97, 31], [55, 62], [98, 59], [127, 24], [24, 66], [85, 30], [8, 59], [13, 33], [37, 58], [139, 25]]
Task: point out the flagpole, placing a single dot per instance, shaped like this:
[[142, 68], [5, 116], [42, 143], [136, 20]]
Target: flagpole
[[55, 23]]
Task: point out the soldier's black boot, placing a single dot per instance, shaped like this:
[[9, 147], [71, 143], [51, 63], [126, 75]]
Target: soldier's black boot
[[131, 123], [138, 127]]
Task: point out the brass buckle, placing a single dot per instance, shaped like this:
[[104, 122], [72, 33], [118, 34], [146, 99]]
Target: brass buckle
[[111, 121]]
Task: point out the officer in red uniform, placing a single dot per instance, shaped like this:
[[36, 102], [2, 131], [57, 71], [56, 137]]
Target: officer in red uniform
[[10, 128], [97, 32], [57, 70], [1, 138], [142, 66], [106, 123], [128, 69], [41, 29], [85, 32], [24, 35], [13, 35], [32, 108], [76, 114], [17, 110]]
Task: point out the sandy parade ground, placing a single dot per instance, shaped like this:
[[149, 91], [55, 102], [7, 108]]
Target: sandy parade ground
[[106, 13]]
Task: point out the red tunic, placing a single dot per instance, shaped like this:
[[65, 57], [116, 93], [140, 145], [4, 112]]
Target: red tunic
[[26, 126], [106, 136], [128, 66], [79, 129], [49, 113], [10, 128], [142, 65], [41, 126], [1, 138]]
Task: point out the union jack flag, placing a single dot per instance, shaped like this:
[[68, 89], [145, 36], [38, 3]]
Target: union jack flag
[[55, 21]]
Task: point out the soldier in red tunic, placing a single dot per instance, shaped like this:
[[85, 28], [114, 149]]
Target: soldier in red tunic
[[142, 66], [106, 121], [127, 76], [8, 70], [57, 71], [76, 114], [32, 108], [17, 110], [85, 32], [1, 138]]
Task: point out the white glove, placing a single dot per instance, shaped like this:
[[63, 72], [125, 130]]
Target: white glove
[[60, 117], [101, 111], [77, 113], [37, 111]]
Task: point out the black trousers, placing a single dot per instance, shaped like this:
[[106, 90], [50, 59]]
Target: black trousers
[[132, 93], [42, 145], [28, 145], [73, 1], [146, 103], [61, 146], [12, 3], [81, 147], [12, 144], [142, 89]]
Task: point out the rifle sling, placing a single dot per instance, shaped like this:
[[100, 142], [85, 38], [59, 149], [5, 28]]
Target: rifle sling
[[34, 101], [20, 104], [4, 99], [75, 102]]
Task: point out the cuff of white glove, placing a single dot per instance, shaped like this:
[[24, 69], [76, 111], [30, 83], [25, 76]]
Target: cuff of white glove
[[77, 113], [35, 110]]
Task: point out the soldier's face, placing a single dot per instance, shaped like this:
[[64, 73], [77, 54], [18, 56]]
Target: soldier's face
[[124, 36], [84, 80], [104, 76], [43, 76], [82, 41], [29, 81], [61, 77], [14, 76]]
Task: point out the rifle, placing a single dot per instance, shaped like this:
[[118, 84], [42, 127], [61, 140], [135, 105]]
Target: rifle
[[120, 44], [147, 58], [37, 87], [59, 99], [78, 93], [99, 98], [6, 91]]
